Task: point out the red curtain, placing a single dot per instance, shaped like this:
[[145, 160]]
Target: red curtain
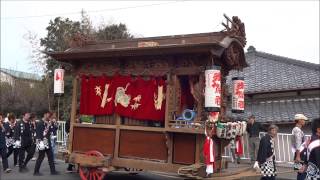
[[96, 95], [122, 96], [152, 93], [139, 99]]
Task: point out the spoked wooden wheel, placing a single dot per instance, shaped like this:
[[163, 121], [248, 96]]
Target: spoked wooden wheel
[[91, 173]]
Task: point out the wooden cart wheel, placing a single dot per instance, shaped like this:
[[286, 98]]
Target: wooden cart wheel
[[91, 173]]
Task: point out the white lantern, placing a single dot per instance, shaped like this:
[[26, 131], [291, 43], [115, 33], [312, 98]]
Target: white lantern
[[238, 95], [58, 81], [213, 89]]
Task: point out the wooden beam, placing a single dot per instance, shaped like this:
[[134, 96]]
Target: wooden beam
[[73, 111], [188, 70], [186, 130], [105, 126], [90, 161], [146, 165], [142, 128]]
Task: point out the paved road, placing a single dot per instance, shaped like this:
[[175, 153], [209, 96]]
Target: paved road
[[61, 167]]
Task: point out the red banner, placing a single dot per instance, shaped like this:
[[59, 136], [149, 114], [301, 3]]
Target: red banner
[[139, 99], [122, 97]]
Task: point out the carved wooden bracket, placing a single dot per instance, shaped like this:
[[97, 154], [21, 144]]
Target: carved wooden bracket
[[236, 30]]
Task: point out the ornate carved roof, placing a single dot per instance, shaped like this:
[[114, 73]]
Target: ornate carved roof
[[227, 44]]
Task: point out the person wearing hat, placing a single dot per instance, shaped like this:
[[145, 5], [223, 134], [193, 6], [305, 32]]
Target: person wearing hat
[[297, 140]]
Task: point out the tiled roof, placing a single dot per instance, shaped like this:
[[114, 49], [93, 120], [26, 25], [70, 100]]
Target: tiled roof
[[268, 72], [21, 75], [279, 110]]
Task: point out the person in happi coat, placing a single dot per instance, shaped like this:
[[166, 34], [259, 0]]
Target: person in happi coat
[[313, 152], [266, 154], [33, 123], [297, 139], [12, 149], [53, 130], [23, 139], [43, 142], [3, 146]]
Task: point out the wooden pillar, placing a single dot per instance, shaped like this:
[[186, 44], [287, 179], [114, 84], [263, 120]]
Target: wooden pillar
[[198, 144], [73, 111], [117, 140], [170, 102], [169, 137]]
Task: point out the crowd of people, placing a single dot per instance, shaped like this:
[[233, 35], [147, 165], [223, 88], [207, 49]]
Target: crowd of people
[[306, 151], [27, 135], [24, 137]]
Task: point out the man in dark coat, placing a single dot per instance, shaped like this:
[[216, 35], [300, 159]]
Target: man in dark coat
[[266, 155], [43, 141], [3, 146], [253, 129], [23, 137], [10, 127]]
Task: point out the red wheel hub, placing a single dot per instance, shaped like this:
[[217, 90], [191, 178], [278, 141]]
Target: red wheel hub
[[91, 173]]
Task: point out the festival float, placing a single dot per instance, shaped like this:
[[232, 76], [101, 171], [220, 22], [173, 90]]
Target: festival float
[[159, 103]]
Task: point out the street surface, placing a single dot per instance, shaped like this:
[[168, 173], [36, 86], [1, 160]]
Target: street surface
[[61, 167]]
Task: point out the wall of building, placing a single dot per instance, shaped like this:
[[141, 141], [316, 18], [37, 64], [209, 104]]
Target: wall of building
[[6, 78]]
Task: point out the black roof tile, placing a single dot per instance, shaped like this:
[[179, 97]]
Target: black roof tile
[[268, 72], [280, 109]]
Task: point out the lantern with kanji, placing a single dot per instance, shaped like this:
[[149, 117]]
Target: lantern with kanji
[[213, 89], [237, 94], [58, 86]]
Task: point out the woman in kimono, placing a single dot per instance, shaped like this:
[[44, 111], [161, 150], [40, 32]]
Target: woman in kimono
[[266, 155]]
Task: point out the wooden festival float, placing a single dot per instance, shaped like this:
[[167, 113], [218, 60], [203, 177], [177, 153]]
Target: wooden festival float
[[148, 99]]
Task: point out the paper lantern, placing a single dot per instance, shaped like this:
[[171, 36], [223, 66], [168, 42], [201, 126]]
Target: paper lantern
[[58, 86], [213, 89], [238, 95]]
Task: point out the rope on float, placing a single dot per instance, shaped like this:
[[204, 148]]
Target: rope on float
[[192, 169]]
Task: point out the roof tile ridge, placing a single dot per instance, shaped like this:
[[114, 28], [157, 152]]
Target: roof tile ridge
[[288, 60]]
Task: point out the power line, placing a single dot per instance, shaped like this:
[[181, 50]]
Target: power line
[[94, 11]]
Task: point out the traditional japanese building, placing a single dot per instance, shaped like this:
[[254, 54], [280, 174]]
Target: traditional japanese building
[[12, 76], [276, 88]]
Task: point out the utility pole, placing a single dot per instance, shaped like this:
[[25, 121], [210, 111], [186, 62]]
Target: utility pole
[[48, 88]]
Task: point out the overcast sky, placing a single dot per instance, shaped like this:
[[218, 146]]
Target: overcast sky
[[285, 28]]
